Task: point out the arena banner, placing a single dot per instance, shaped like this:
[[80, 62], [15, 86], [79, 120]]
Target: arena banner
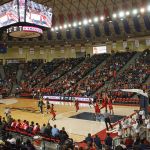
[[147, 42], [68, 98], [137, 44], [125, 44]]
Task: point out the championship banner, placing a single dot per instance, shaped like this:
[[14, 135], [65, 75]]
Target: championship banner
[[125, 44], [82, 49], [137, 43], [52, 50], [32, 51], [20, 51], [113, 45], [72, 50], [62, 50], [147, 42], [41, 51]]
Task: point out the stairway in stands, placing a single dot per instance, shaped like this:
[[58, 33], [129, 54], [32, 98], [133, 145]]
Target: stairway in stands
[[25, 69], [131, 61], [2, 73], [37, 70], [19, 72], [99, 66]]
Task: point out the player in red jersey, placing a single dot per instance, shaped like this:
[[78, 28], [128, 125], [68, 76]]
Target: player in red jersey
[[104, 101], [110, 106], [77, 105], [53, 112], [97, 110]]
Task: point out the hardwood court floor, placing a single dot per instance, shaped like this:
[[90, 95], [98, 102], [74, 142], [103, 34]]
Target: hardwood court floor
[[26, 109]]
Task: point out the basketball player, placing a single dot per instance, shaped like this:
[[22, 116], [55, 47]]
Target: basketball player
[[110, 106], [97, 110], [53, 112], [47, 106], [77, 105], [104, 101]]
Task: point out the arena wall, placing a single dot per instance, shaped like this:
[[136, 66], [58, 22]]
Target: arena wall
[[48, 53]]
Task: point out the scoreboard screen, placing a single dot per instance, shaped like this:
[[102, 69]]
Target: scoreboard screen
[[25, 11], [38, 14], [9, 14]]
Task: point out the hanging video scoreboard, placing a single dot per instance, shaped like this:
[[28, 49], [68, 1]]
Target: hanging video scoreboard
[[26, 11]]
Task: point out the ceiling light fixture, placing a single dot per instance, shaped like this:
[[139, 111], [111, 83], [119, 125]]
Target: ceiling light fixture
[[148, 8], [85, 22], [102, 18], [142, 10], [65, 26], [74, 24], [114, 15], [90, 21], [127, 13], [80, 23], [96, 19], [56, 28], [135, 11], [69, 25], [121, 14]]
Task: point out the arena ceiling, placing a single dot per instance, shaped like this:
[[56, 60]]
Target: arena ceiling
[[67, 12]]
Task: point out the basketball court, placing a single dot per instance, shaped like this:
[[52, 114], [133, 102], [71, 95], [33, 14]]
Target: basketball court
[[77, 124]]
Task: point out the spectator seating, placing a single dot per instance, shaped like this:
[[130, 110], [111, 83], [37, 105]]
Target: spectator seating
[[69, 81]]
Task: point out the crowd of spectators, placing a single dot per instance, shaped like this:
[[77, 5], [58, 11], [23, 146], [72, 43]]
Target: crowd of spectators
[[29, 68], [133, 77], [50, 72], [29, 80], [5, 88], [67, 77], [12, 143], [65, 67], [64, 85], [129, 131], [69, 85], [100, 76], [10, 70], [52, 133], [10, 75], [136, 74], [53, 79], [6, 83]]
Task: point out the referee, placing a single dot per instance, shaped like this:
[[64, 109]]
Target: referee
[[107, 119]]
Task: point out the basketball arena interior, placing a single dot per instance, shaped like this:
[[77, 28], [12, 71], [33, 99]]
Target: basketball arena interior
[[74, 75]]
